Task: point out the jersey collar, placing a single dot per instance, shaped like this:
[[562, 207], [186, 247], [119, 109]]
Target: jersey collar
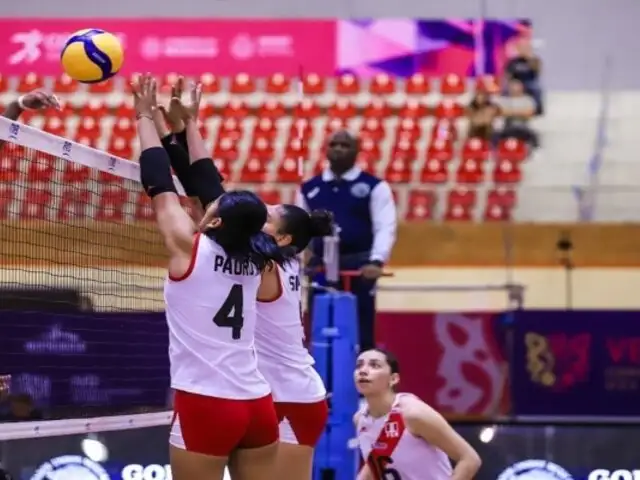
[[350, 175]]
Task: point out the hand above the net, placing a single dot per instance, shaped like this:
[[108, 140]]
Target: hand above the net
[[173, 115], [39, 99], [189, 111], [144, 95]]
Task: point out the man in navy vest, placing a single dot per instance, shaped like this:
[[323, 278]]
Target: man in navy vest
[[366, 220]]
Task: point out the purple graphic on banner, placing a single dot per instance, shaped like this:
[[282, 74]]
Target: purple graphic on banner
[[403, 47], [576, 363], [99, 359]]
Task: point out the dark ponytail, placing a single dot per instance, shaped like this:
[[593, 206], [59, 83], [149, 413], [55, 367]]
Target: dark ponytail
[[265, 251], [303, 227]]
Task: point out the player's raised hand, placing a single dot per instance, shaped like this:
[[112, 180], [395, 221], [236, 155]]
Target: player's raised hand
[[173, 115], [145, 95], [39, 100], [192, 107]]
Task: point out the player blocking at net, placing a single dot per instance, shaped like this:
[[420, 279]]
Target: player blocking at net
[[400, 436], [222, 403], [298, 391]]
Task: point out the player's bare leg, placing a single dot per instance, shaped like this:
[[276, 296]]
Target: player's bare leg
[[294, 462], [187, 465], [255, 463]]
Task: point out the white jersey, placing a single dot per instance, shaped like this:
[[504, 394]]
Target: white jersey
[[388, 446], [282, 357], [211, 313]]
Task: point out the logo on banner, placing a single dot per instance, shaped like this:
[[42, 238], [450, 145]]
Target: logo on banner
[[28, 44], [67, 147], [558, 361], [70, 466], [535, 470], [14, 131]]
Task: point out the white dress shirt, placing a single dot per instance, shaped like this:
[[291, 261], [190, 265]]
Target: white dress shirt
[[383, 214]]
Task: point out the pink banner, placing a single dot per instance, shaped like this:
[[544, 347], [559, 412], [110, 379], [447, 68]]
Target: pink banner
[[256, 47]]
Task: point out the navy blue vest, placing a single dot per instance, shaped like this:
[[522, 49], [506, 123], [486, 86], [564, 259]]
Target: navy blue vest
[[350, 202]]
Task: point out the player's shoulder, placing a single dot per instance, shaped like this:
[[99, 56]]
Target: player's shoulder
[[412, 408]]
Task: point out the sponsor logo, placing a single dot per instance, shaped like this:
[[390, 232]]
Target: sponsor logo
[[535, 470], [70, 466]]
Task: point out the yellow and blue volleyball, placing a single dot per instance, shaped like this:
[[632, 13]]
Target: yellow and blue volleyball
[[92, 56]]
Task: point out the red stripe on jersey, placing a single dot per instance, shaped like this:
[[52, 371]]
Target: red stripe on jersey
[[381, 452]]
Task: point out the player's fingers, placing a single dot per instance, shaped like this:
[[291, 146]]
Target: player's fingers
[[179, 86]]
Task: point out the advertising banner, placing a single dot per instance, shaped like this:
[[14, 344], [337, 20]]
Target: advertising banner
[[189, 46], [453, 361], [576, 363], [99, 359]]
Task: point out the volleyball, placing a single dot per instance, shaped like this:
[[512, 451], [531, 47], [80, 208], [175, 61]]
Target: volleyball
[[92, 56]]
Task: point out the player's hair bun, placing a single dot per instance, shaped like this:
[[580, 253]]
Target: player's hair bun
[[321, 223]]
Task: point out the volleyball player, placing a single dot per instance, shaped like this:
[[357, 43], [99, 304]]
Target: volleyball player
[[36, 100], [222, 403], [400, 436]]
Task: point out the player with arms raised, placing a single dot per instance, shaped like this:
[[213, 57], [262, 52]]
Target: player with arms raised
[[400, 436], [222, 403]]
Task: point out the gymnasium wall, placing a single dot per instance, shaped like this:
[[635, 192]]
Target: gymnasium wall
[[126, 272]]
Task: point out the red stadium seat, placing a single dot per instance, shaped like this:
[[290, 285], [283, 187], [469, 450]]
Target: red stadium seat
[[368, 161], [254, 170], [476, 148], [265, 128], [296, 148], [288, 169], [73, 203], [35, 203], [120, 147], [370, 149], [10, 165], [144, 208], [404, 148], [3, 84], [347, 84], [512, 149], [242, 84], [65, 84], [111, 204], [470, 171], [29, 82], [84, 140], [461, 195], [417, 84], [399, 168], [75, 173], [271, 108], [313, 84], [307, 109], [420, 205], [278, 84], [207, 110], [95, 108], [507, 171], [235, 109], [336, 124], [225, 149], [413, 108], [105, 87], [382, 84], [342, 108], [125, 110], [409, 128], [377, 108], [270, 195], [452, 84], [301, 128], [41, 168], [440, 150], [224, 166], [496, 213], [124, 127], [458, 212], [434, 171], [372, 128], [210, 83], [55, 125], [231, 128], [503, 196], [7, 197], [448, 108], [261, 149], [89, 127]]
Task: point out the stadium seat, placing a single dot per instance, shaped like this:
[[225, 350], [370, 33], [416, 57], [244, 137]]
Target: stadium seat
[[41, 168], [236, 108], [476, 149], [74, 203], [448, 108], [382, 84], [10, 166], [242, 84], [313, 84], [301, 128], [495, 212], [461, 195], [34, 205], [7, 197], [452, 84], [270, 196], [399, 168], [377, 108], [307, 109], [254, 169], [503, 196], [65, 84], [30, 82], [124, 128], [120, 147], [459, 212], [265, 129], [272, 109], [95, 108], [226, 149], [144, 208], [512, 149], [288, 170], [420, 205], [224, 167], [342, 108], [434, 171], [413, 108], [210, 83], [89, 127], [440, 150], [372, 129], [55, 125], [262, 149], [347, 84], [106, 87], [111, 204], [470, 171], [408, 129], [278, 84], [231, 128], [417, 84], [75, 173], [507, 171]]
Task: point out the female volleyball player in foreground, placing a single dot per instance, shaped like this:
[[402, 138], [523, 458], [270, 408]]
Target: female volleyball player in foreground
[[222, 403], [297, 388], [400, 436]]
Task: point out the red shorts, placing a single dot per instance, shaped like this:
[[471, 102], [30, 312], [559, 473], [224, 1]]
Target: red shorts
[[302, 423], [218, 426]]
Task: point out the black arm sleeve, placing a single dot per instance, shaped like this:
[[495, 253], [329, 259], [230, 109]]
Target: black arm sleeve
[[179, 162], [155, 172], [181, 138], [206, 181]]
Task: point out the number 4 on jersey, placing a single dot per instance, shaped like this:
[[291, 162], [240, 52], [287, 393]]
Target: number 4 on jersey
[[230, 313]]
